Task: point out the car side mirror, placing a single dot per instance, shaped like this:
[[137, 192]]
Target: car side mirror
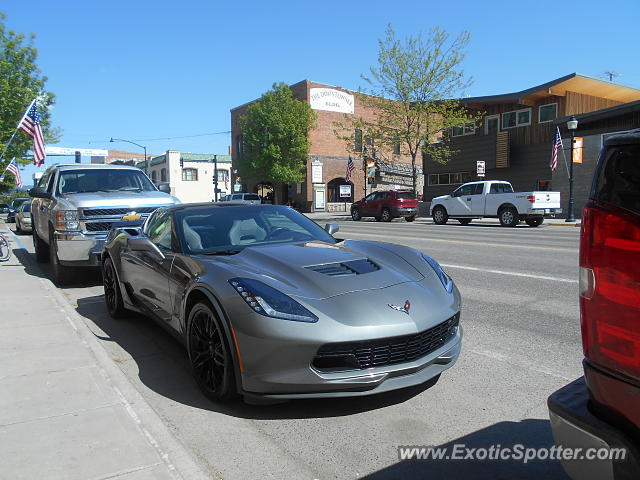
[[39, 192], [164, 188], [331, 228], [143, 244]]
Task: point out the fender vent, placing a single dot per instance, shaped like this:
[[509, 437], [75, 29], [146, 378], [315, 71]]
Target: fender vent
[[353, 267]]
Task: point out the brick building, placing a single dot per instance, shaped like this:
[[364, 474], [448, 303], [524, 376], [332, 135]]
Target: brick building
[[328, 155]]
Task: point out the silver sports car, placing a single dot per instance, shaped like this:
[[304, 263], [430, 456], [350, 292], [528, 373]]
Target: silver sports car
[[271, 305]]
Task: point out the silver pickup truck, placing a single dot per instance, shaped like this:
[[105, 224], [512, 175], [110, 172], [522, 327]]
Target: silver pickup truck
[[75, 206]]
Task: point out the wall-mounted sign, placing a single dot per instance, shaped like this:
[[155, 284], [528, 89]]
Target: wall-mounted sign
[[331, 100], [480, 168], [89, 152], [316, 172], [578, 143], [345, 191]]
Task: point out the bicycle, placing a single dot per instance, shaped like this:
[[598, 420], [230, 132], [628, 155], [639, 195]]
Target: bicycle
[[5, 251]]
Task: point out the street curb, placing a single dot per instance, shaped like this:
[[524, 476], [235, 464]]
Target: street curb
[[178, 461], [565, 224]]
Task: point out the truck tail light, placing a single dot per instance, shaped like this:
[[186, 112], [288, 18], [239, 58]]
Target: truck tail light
[[610, 288], [531, 198]]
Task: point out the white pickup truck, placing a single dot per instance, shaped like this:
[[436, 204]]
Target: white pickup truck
[[494, 198]]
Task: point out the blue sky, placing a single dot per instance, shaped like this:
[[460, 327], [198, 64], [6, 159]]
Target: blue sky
[[143, 70]]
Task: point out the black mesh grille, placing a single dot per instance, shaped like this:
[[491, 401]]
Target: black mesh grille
[[98, 227], [353, 267], [386, 351], [105, 212]]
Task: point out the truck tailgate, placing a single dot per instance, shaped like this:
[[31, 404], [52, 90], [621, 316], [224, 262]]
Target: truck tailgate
[[546, 200]]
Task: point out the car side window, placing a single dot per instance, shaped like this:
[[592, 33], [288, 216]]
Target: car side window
[[496, 188], [479, 187], [52, 181], [370, 197], [44, 180], [160, 231], [465, 190]]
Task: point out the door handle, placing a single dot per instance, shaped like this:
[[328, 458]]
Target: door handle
[[468, 199]]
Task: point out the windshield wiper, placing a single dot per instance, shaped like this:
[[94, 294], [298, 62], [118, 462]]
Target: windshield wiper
[[223, 252]]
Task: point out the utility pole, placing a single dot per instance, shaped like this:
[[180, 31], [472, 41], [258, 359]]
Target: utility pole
[[215, 177]]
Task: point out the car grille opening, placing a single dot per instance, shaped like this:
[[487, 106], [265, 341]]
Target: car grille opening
[[98, 226], [353, 267], [105, 212], [334, 357]]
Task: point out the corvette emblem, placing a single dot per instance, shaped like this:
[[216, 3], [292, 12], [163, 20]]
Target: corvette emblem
[[131, 217], [405, 308]]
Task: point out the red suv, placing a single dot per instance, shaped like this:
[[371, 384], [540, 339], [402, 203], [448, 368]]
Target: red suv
[[387, 205], [602, 409]]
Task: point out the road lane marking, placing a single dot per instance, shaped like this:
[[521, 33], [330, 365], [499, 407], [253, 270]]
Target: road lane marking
[[467, 242], [515, 274]]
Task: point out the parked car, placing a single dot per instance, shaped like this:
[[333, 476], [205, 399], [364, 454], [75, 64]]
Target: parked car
[[602, 409], [494, 198], [387, 205], [242, 198], [270, 305], [75, 206], [13, 207], [23, 217], [4, 208]]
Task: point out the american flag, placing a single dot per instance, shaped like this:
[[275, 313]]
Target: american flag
[[15, 171], [350, 168], [557, 145], [30, 124]]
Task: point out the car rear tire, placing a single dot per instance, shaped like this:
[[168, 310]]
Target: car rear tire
[[385, 215], [112, 293], [508, 217], [355, 214], [439, 215], [41, 248], [62, 274], [410, 218], [534, 222], [464, 221], [19, 230], [209, 354]]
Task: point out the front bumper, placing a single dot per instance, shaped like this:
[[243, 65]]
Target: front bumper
[[79, 249], [575, 426]]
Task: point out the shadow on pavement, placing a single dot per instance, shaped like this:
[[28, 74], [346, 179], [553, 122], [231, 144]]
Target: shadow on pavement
[[162, 366], [531, 433]]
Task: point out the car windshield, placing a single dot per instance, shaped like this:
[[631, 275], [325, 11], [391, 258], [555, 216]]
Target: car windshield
[[16, 202], [26, 207], [103, 180], [251, 196], [229, 229]]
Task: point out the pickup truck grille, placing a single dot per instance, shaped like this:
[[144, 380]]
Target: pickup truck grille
[[106, 212], [101, 220], [98, 226]]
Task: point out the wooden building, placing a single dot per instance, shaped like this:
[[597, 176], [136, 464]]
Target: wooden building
[[516, 134]]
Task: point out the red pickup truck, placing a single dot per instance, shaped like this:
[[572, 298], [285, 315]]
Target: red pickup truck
[[601, 411]]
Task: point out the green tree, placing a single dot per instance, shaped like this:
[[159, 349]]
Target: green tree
[[275, 138], [412, 92], [20, 82]]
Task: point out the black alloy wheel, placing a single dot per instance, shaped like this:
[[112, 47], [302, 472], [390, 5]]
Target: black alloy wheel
[[209, 354], [112, 293]]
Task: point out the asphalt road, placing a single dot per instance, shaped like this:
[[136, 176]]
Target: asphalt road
[[521, 342]]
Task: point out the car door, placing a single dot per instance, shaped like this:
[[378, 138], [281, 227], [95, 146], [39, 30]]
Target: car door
[[478, 200], [146, 264], [48, 182], [366, 206], [460, 203]]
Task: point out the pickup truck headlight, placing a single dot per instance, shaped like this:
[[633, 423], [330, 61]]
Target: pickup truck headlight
[[67, 220], [447, 283], [270, 302]]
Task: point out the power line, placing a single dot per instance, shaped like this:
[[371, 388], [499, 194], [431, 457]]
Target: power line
[[184, 136]]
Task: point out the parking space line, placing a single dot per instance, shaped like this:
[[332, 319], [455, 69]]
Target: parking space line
[[515, 274]]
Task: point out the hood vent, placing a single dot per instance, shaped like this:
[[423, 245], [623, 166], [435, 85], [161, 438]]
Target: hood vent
[[353, 267]]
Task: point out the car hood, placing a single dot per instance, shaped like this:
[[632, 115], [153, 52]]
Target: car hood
[[117, 199], [316, 269], [441, 197]]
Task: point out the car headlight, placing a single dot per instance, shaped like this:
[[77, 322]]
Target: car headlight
[[270, 302], [67, 220], [447, 283]]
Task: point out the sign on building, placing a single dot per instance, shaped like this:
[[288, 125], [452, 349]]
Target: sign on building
[[331, 100], [578, 143], [345, 191], [316, 172], [480, 168]]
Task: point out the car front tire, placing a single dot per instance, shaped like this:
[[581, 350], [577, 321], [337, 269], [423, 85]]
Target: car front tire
[[112, 293], [61, 273], [440, 215], [355, 215], [41, 248]]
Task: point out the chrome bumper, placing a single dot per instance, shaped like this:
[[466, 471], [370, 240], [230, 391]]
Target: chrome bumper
[[77, 248]]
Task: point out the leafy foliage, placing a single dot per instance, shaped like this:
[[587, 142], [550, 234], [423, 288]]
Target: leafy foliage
[[20, 82], [275, 137]]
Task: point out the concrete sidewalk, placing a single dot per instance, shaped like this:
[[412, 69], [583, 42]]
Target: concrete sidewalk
[[66, 411]]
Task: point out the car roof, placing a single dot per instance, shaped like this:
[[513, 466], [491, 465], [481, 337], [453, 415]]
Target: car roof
[[90, 166], [185, 206], [628, 138]]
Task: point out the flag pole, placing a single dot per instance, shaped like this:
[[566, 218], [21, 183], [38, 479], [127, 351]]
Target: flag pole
[[17, 128], [564, 155]]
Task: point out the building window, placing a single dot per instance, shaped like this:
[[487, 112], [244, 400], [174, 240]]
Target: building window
[[547, 113], [163, 175], [491, 124], [358, 140], [239, 145], [153, 176], [449, 178], [544, 185], [189, 174], [516, 118], [396, 145], [466, 129]]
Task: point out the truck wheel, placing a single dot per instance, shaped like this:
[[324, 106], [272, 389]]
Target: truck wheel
[[410, 218], [535, 221], [386, 215], [61, 273], [464, 221], [508, 217], [440, 215], [42, 249], [355, 214]]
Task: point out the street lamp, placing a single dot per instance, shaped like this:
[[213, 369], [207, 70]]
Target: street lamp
[[572, 124], [133, 143]]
